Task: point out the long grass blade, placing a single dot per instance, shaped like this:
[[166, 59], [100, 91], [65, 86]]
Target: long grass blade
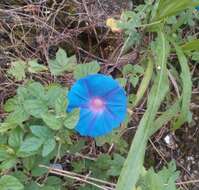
[[168, 8], [145, 82], [186, 87], [133, 164], [165, 117]]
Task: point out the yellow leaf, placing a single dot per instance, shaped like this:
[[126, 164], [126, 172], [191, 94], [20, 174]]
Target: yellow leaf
[[112, 23]]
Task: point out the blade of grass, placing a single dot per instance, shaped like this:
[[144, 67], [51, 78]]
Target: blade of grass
[[186, 87], [168, 8], [191, 46], [145, 82], [133, 164], [165, 117]]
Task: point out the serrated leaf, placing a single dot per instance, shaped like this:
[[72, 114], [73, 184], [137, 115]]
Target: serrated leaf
[[4, 127], [48, 147], [62, 63], [32, 186], [11, 104], [17, 70], [164, 179], [41, 132], [55, 92], [61, 105], [116, 165], [17, 117], [76, 148], [15, 138], [122, 81], [82, 70], [4, 154], [134, 80], [35, 67], [71, 119], [36, 107], [53, 181], [48, 188], [138, 69], [8, 164], [8, 182], [52, 121], [30, 145], [35, 90], [127, 69], [20, 176]]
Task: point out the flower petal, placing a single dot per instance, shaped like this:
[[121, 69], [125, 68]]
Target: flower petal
[[78, 95], [92, 125], [100, 85]]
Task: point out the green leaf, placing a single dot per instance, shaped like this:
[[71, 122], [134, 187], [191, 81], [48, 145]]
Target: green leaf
[[186, 88], [61, 105], [20, 176], [145, 82], [62, 63], [4, 154], [82, 70], [35, 107], [4, 127], [129, 177], [164, 179], [41, 132], [172, 7], [52, 121], [8, 182], [165, 117], [113, 138], [18, 116], [71, 119], [32, 186], [48, 188], [127, 69], [116, 165], [15, 138], [29, 162], [48, 147], [35, 90], [11, 104], [30, 145], [76, 148], [8, 164], [35, 67], [55, 92], [17, 70], [191, 46], [134, 80], [100, 166], [122, 81], [132, 39], [138, 69], [53, 181]]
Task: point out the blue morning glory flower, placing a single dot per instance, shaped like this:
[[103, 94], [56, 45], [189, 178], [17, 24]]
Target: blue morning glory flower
[[102, 102], [197, 8]]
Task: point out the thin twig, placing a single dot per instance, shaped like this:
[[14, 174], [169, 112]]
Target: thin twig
[[77, 175], [80, 179]]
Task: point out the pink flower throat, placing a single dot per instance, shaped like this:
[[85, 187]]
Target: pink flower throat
[[97, 105]]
